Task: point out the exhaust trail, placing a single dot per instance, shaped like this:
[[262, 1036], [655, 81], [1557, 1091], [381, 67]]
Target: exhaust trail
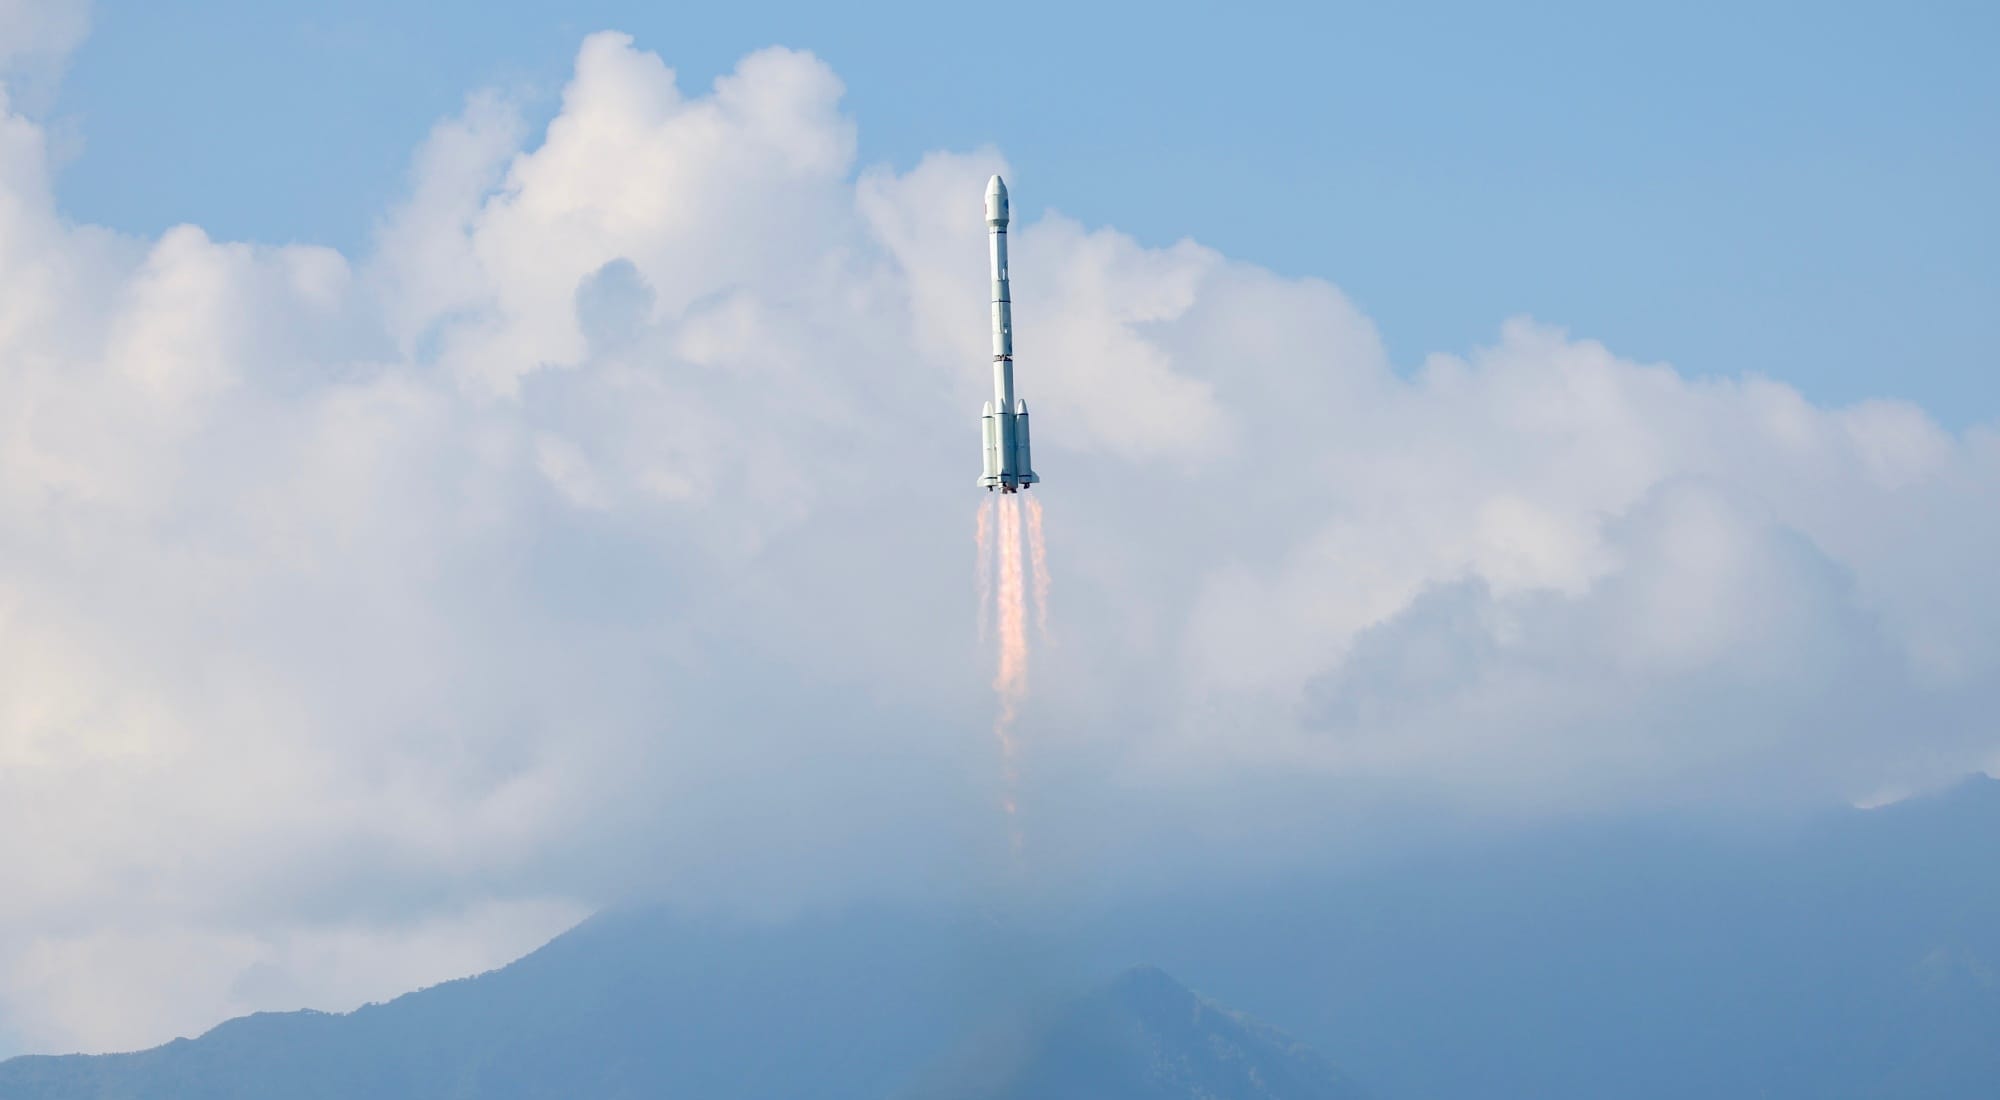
[[1003, 573], [1010, 678], [1038, 554], [983, 567]]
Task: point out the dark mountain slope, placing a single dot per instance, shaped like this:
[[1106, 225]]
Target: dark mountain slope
[[641, 1004], [1855, 958], [1143, 1037], [631, 1004]]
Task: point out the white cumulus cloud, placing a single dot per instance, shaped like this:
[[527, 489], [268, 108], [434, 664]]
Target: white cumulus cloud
[[607, 527]]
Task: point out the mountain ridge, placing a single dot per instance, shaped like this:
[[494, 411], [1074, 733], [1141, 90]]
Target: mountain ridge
[[273, 1053], [1849, 959]]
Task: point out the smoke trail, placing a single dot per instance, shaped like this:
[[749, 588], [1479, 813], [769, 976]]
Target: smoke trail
[[1038, 554], [1010, 679], [1003, 569], [984, 567]]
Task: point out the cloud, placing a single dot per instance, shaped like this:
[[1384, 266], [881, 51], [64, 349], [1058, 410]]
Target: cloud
[[607, 527], [44, 28], [36, 37], [124, 983]]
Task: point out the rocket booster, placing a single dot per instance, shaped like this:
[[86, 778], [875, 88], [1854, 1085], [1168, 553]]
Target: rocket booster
[[1004, 424]]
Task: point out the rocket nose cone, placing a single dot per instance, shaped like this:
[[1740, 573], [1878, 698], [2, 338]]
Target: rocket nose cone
[[996, 201]]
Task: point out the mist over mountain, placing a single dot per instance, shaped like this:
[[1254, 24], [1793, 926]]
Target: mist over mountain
[[627, 1004], [1142, 1036], [1850, 957], [646, 1003], [1857, 956]]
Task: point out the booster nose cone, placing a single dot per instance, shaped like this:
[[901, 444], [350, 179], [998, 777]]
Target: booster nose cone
[[996, 201]]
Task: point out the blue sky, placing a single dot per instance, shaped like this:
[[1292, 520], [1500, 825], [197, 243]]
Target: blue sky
[[1798, 190], [367, 618]]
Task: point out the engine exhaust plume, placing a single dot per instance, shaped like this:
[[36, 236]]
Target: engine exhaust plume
[[1038, 554], [983, 567], [1010, 678]]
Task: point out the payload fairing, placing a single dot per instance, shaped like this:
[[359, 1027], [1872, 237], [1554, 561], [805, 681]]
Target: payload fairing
[[1004, 424]]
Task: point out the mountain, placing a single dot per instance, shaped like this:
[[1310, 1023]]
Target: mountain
[[1143, 1037], [1852, 957], [638, 1003], [646, 1003]]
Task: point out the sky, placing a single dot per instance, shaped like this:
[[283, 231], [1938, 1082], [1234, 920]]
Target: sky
[[1798, 190], [463, 466]]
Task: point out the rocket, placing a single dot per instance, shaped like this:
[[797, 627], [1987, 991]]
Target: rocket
[[1004, 424]]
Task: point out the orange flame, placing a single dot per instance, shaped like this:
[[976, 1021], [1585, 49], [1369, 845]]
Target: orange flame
[[1003, 575], [1010, 679], [983, 566], [1039, 554]]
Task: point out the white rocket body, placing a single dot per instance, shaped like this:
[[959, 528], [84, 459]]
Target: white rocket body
[[1004, 423]]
